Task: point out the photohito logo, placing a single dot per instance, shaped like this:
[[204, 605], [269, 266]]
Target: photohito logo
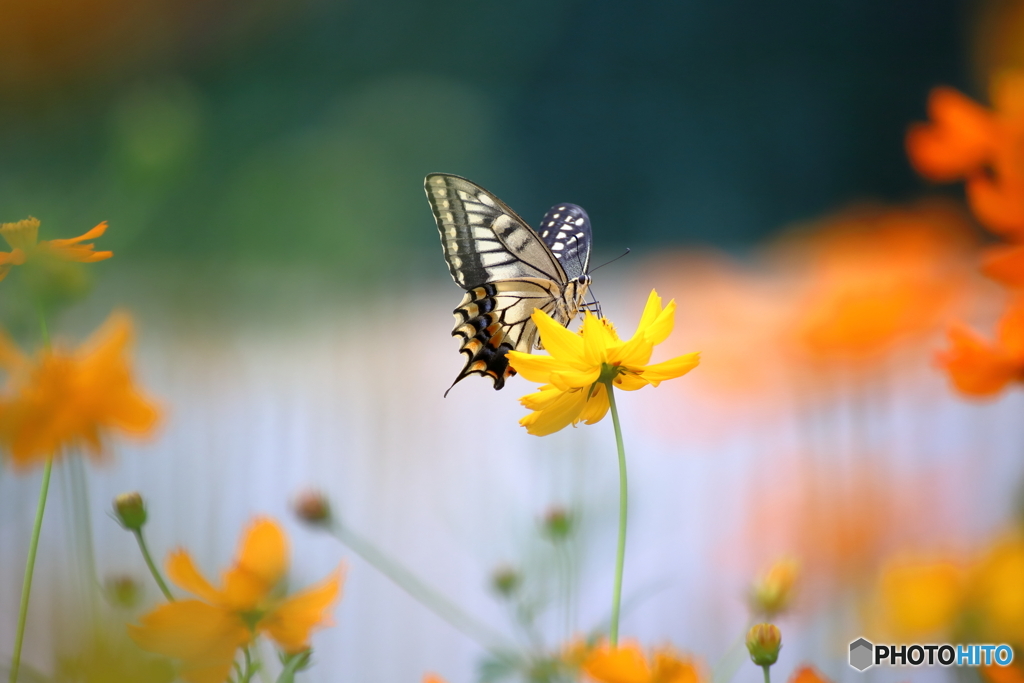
[[865, 654]]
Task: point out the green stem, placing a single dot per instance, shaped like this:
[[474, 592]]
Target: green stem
[[767, 676], [620, 554], [30, 564], [426, 596], [152, 567], [83, 531]]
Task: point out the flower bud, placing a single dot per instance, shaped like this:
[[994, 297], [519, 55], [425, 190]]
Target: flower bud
[[130, 510], [558, 524], [123, 591], [772, 594], [312, 507], [764, 642], [506, 581]]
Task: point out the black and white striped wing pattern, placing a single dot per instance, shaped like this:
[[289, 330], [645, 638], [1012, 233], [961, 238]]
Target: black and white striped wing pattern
[[507, 270]]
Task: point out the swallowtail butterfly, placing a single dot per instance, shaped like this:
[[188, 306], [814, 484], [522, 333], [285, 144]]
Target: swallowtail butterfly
[[507, 270]]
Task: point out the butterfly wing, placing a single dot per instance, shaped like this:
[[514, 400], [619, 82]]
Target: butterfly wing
[[565, 228], [506, 269], [483, 239]]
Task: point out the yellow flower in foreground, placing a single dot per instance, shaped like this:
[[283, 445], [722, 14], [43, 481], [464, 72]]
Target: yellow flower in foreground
[[23, 238], [627, 664], [582, 367], [60, 399], [206, 634]]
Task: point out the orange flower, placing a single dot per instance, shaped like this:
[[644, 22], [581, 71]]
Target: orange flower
[[922, 598], [23, 238], [982, 368], [627, 664], [206, 634], [807, 674], [985, 147], [61, 400]]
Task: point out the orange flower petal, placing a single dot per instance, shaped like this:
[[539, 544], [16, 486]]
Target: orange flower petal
[[956, 143], [1005, 264], [72, 249], [998, 203], [976, 367], [262, 562], [183, 572], [623, 664], [204, 637], [292, 621]]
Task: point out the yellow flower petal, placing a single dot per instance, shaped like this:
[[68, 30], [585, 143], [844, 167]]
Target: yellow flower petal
[[561, 411], [559, 342], [575, 379], [540, 400], [262, 562], [630, 381], [292, 621], [670, 369], [597, 406], [598, 337], [204, 637], [182, 571], [662, 325], [534, 368]]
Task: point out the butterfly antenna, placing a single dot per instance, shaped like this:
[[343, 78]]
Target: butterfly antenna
[[625, 253]]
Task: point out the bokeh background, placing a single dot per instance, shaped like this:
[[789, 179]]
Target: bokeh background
[[260, 164]]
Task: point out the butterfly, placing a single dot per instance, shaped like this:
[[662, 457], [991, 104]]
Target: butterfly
[[507, 270]]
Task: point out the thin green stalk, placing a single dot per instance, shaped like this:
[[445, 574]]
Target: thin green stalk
[[767, 676], [83, 531], [30, 564], [152, 567], [620, 554], [426, 596]]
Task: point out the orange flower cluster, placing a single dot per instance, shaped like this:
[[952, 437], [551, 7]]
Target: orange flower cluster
[[985, 148], [61, 399], [23, 238], [627, 663], [876, 276]]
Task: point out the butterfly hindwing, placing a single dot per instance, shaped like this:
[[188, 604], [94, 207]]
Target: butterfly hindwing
[[494, 319], [507, 270]]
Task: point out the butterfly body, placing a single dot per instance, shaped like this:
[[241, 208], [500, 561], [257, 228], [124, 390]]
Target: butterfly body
[[508, 270]]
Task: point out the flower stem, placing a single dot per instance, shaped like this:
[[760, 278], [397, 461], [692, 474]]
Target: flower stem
[[620, 554], [144, 549], [767, 676], [30, 564], [426, 596]]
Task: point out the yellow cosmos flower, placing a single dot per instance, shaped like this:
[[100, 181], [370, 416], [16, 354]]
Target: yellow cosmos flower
[[627, 664], [206, 634], [23, 238], [583, 367], [61, 400]]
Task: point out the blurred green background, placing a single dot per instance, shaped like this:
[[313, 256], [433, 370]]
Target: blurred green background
[[262, 131]]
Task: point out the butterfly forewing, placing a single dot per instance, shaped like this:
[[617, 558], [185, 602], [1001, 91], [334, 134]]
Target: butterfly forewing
[[507, 270], [565, 228], [483, 239]]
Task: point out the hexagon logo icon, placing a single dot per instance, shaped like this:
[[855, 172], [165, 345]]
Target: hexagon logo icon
[[861, 651]]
